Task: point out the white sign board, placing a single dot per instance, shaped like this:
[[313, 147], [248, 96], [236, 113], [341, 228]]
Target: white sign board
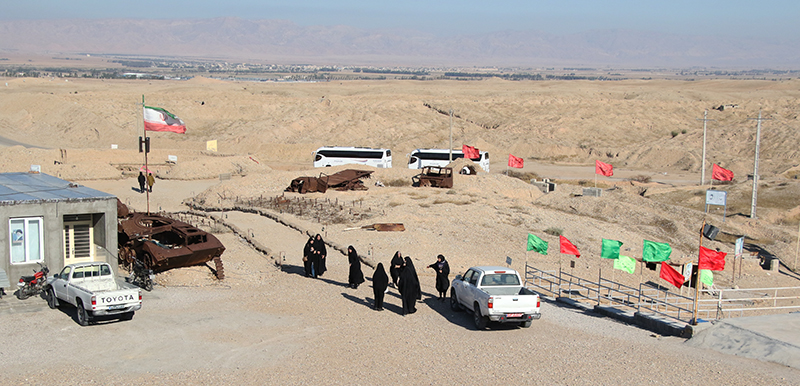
[[739, 246], [172, 158], [687, 270], [114, 146], [36, 168], [716, 197]]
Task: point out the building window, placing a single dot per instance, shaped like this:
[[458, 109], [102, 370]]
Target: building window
[[26, 238]]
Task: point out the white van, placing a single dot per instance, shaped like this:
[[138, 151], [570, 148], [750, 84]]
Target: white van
[[441, 157], [341, 155]]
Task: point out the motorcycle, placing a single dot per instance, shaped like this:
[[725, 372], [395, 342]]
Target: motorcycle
[[32, 285], [141, 276]]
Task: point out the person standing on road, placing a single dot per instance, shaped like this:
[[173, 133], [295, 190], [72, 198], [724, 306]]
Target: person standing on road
[[396, 266], [150, 181], [307, 256], [380, 282], [442, 269], [142, 180], [408, 285], [356, 277], [321, 252]]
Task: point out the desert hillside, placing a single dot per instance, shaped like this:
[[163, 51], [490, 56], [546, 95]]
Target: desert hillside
[[643, 125]]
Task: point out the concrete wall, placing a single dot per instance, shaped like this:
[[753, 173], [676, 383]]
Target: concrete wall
[[104, 218]]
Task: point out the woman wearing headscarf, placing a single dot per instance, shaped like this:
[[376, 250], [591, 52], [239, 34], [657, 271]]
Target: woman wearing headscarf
[[356, 277], [396, 266], [408, 285], [321, 251], [379, 284], [307, 256], [442, 269]]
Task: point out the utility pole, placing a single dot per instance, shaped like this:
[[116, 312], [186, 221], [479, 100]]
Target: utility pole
[[703, 172], [755, 167], [451, 136]]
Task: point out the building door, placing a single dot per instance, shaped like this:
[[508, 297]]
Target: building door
[[78, 239]]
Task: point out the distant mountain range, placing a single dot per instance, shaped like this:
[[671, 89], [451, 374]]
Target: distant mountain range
[[282, 41]]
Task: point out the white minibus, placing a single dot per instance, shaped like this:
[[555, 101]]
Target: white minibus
[[341, 155], [441, 157]]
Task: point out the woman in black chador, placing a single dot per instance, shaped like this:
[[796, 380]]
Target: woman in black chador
[[356, 277], [321, 252], [408, 285], [396, 266], [442, 271], [308, 256], [379, 284]]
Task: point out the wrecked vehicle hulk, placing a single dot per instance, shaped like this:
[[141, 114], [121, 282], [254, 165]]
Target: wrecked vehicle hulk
[[162, 243]]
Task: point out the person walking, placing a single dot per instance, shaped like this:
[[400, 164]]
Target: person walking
[[150, 181], [356, 277], [408, 284], [396, 266], [142, 180], [308, 250], [380, 282], [321, 252], [442, 269]]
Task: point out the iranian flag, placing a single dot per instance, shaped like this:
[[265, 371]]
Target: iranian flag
[[158, 119]]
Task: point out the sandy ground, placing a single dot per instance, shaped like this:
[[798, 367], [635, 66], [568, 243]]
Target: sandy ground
[[269, 325]]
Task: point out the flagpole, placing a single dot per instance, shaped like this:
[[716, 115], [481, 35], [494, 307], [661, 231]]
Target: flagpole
[[697, 280], [146, 167]]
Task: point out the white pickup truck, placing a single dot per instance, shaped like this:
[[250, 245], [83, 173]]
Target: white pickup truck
[[94, 290], [494, 294]]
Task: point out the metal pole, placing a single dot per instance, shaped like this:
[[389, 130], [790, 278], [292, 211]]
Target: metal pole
[[703, 172], [755, 169], [797, 250], [451, 136], [697, 280]]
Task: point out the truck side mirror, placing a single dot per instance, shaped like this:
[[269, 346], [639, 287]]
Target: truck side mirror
[[55, 276], [458, 277]]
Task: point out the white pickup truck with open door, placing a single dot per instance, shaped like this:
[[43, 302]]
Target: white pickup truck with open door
[[94, 290], [494, 294]]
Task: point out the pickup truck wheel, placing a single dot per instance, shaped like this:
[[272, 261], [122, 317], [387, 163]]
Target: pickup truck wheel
[[126, 316], [525, 324], [51, 299], [454, 305], [83, 315], [480, 321]]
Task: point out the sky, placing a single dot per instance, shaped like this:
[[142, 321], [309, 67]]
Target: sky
[[732, 18]]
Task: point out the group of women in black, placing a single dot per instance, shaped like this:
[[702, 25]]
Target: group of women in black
[[403, 274]]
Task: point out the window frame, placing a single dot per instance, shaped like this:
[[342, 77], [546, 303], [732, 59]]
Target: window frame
[[26, 240]]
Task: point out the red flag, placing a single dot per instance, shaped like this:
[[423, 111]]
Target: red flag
[[712, 260], [671, 275], [470, 152], [603, 168], [721, 174], [515, 162], [567, 247]]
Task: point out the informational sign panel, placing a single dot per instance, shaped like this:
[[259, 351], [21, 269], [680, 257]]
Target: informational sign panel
[[508, 261], [739, 246], [211, 145], [172, 158], [36, 168], [716, 197]]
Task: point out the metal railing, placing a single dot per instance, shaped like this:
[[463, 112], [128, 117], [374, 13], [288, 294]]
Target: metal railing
[[727, 303]]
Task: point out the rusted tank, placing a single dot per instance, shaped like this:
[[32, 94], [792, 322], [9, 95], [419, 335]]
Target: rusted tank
[[163, 243], [348, 179]]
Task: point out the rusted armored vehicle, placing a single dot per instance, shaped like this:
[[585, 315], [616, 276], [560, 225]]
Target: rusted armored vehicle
[[349, 179], [434, 176], [162, 243]]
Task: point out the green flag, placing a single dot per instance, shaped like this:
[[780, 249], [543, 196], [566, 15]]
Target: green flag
[[610, 249], [654, 252], [707, 277], [625, 263], [537, 244]]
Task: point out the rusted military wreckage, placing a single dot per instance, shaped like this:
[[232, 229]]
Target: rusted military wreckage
[[162, 243]]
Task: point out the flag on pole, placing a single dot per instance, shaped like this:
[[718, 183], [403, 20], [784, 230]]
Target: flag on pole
[[625, 263], [470, 152], [712, 260], [654, 252], [515, 162], [158, 119], [671, 275], [603, 168], [537, 244], [707, 277], [567, 247], [610, 249], [721, 174]]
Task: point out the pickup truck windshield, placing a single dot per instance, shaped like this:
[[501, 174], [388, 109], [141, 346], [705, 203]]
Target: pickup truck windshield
[[499, 279]]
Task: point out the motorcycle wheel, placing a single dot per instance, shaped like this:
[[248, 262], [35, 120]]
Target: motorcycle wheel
[[22, 294], [148, 284]]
